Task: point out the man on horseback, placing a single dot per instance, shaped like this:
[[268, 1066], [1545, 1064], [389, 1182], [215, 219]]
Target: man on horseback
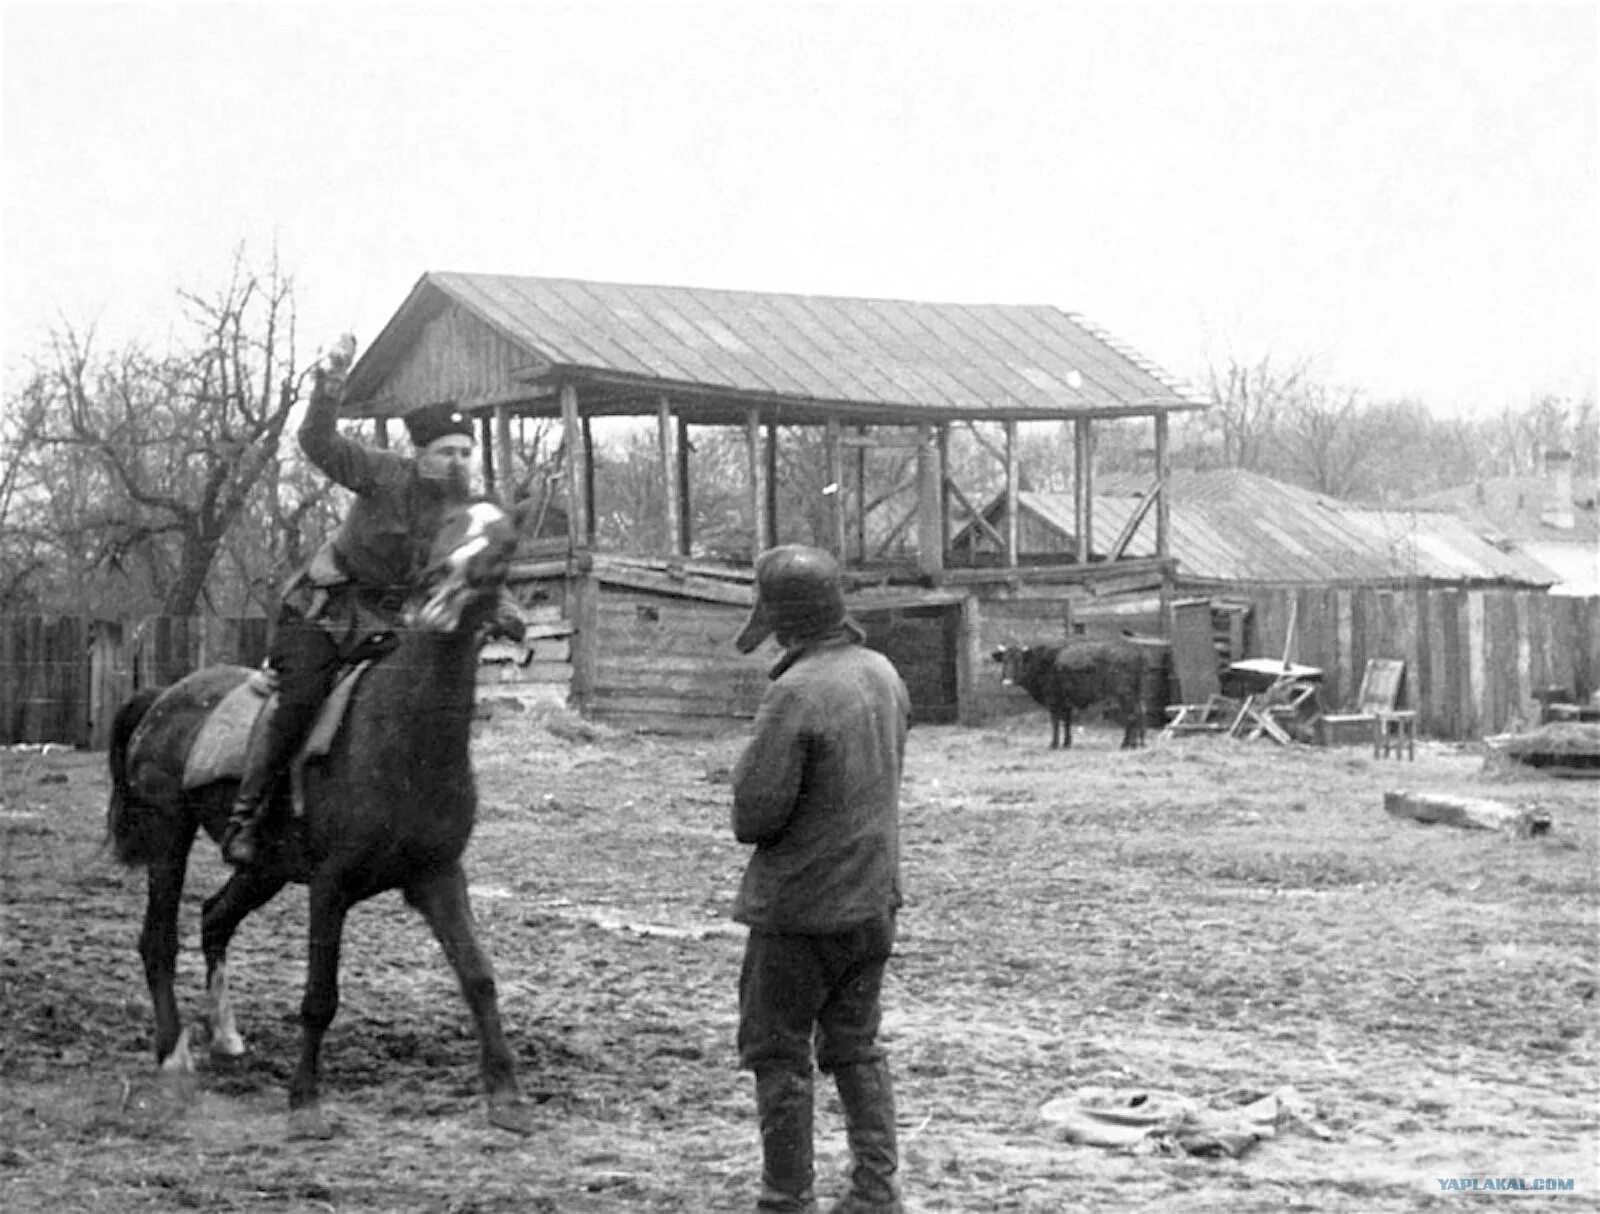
[[345, 604], [816, 791]]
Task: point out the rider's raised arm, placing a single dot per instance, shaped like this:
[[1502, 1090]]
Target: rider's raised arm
[[356, 466]]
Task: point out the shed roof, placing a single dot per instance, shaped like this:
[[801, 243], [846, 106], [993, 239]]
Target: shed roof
[[1235, 526], [868, 357]]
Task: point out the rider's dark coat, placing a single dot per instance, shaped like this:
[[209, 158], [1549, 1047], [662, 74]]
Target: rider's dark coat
[[356, 583]]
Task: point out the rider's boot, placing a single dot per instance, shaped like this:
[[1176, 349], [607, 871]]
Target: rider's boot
[[270, 748]]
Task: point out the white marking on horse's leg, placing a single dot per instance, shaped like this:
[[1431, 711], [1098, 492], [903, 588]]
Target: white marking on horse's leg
[[225, 1038], [180, 1061]]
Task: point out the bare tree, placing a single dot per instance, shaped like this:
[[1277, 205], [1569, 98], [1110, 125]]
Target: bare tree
[[28, 556], [1323, 440], [167, 451], [1248, 403]]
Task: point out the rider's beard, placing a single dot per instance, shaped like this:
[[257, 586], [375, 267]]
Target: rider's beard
[[454, 482]]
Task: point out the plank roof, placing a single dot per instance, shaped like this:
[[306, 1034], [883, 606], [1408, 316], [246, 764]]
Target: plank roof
[[869, 358], [1230, 525]]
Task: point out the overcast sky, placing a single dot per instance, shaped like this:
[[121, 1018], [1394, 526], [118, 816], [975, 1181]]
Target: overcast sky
[[1403, 193]]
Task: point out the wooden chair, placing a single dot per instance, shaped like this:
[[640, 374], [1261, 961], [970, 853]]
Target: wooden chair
[[1392, 728]]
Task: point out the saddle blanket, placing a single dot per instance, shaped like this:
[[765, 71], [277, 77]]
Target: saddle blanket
[[223, 741]]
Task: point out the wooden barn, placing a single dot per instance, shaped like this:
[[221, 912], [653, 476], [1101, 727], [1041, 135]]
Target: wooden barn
[[1266, 568], [643, 638]]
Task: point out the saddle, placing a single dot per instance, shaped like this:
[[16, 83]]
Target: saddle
[[223, 741]]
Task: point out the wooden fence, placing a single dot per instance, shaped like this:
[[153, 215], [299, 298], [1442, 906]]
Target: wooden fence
[[62, 678], [1474, 658]]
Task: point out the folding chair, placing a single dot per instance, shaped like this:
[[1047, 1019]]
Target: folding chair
[[1278, 712]]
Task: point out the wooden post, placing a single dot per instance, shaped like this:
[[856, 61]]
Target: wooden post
[[930, 533], [505, 474], [1164, 518], [1163, 475], [486, 455], [833, 488], [669, 475], [758, 478], [944, 488], [771, 538], [1013, 529], [577, 470], [588, 480], [380, 431], [1082, 508], [861, 495], [969, 661], [685, 518], [584, 613]]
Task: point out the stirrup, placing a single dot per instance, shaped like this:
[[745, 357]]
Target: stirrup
[[240, 847]]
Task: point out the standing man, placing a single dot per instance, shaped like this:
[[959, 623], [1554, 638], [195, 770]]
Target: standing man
[[817, 792], [346, 603]]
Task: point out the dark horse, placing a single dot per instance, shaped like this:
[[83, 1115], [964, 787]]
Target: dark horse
[[391, 806]]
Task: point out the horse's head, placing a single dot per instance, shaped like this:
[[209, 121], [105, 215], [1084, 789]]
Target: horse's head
[[469, 561]]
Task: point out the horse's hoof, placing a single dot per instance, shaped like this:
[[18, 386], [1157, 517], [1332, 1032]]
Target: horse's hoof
[[515, 1114], [228, 1048], [309, 1123], [181, 1060]]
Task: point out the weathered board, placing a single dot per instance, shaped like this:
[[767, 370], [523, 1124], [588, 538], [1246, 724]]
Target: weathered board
[[921, 642], [1469, 813]]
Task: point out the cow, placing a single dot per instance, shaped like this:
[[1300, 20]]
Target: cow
[[1076, 674]]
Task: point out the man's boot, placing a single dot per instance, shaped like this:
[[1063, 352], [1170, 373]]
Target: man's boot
[[270, 745], [783, 1101], [867, 1095]]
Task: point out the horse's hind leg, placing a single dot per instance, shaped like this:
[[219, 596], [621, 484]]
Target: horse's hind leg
[[158, 949], [246, 891], [442, 899]]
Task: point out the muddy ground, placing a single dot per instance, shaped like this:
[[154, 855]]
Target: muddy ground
[[1210, 918]]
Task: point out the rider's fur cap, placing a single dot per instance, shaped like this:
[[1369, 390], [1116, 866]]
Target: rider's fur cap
[[435, 421], [798, 596]]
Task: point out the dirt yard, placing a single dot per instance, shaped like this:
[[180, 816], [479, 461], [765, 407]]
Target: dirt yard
[[1212, 919]]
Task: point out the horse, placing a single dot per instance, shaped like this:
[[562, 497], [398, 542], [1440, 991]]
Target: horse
[[390, 806]]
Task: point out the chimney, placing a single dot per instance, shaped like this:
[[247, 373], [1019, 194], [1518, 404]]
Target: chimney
[[1558, 509]]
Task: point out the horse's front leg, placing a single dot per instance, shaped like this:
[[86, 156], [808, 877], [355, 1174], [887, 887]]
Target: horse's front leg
[[442, 899], [246, 891], [329, 906], [158, 949]]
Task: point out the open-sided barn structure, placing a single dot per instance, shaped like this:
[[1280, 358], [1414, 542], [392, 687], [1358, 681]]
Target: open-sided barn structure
[[645, 638]]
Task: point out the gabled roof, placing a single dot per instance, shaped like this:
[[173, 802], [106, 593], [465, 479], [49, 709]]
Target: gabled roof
[[1231, 525], [796, 352]]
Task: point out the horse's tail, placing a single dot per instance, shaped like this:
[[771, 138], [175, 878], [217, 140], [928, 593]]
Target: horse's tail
[[121, 823]]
